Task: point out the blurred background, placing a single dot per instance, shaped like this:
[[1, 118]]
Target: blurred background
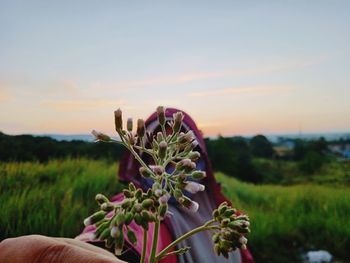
[[266, 82]]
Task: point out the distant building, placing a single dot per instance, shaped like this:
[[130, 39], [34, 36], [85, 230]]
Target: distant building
[[340, 150]]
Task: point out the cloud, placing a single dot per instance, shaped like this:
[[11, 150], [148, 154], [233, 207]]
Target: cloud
[[82, 104], [203, 75], [253, 90]]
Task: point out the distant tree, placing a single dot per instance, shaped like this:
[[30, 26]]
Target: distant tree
[[320, 146], [232, 156], [311, 163], [35, 148], [260, 146]]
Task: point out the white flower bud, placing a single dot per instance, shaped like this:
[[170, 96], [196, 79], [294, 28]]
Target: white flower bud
[[87, 221], [243, 240], [193, 207], [194, 187], [115, 231]]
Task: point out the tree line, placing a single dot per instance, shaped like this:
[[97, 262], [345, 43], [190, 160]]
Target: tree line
[[235, 156]]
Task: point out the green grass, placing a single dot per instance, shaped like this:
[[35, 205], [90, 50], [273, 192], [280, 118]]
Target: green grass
[[332, 172], [54, 198], [288, 219]]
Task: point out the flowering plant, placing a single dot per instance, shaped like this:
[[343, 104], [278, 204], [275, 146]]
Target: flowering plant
[[175, 149]]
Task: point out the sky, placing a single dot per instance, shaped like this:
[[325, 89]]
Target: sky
[[237, 67]]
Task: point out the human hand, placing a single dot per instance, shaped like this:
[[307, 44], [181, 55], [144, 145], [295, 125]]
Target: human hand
[[36, 248]]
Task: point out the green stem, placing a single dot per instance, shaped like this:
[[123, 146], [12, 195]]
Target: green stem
[[144, 246], [155, 242], [204, 227]]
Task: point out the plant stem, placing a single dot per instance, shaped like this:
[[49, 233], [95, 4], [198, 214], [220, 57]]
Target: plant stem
[[204, 227], [144, 246], [155, 242]]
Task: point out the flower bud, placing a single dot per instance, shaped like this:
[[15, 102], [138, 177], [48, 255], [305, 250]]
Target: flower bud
[[138, 193], [99, 136], [225, 244], [100, 199], [158, 192], [127, 193], [222, 209], [119, 244], [162, 149], [163, 208], [107, 207], [145, 216], [229, 212], [96, 217], [199, 175], [178, 117], [194, 156], [147, 203], [129, 124], [109, 242], [140, 128], [225, 222], [160, 137], [164, 198], [161, 115], [126, 203], [177, 193], [215, 237], [194, 187], [115, 232], [119, 219], [189, 136], [191, 146], [118, 120], [145, 172], [158, 170], [128, 218], [118, 250], [192, 206], [132, 187], [215, 213], [137, 208], [243, 240], [184, 163], [100, 229], [138, 219], [105, 233]]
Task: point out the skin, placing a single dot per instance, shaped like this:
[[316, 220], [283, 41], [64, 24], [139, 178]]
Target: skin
[[36, 249]]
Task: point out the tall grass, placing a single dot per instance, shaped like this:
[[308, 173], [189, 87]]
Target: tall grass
[[53, 198], [287, 220]]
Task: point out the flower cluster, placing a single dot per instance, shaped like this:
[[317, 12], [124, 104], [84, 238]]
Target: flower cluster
[[141, 207], [173, 149], [231, 233], [173, 173]]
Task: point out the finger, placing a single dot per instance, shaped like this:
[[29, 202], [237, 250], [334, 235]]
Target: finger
[[36, 248], [86, 246]]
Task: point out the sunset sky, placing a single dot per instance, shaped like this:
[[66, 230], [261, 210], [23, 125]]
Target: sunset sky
[[238, 67]]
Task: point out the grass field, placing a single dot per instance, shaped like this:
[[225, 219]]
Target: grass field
[[53, 199]]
